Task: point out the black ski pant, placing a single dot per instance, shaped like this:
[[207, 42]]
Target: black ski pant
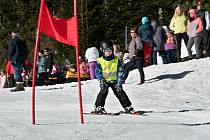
[[136, 63], [179, 38], [205, 43], [122, 96]]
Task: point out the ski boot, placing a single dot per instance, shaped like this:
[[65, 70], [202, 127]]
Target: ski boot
[[129, 110], [99, 110]]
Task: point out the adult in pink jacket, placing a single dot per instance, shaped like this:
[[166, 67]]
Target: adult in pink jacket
[[194, 31]]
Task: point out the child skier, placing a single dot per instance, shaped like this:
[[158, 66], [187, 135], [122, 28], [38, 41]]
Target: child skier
[[110, 74]]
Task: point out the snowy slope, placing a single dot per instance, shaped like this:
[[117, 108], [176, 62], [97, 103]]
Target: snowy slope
[[178, 96]]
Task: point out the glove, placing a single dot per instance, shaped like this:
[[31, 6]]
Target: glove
[[139, 53], [133, 58], [118, 87], [13, 62], [102, 84]]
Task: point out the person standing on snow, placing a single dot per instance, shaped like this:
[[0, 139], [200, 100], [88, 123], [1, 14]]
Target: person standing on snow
[[178, 26], [203, 14], [146, 33], [160, 38], [136, 55], [17, 52], [194, 31], [110, 74], [91, 55]]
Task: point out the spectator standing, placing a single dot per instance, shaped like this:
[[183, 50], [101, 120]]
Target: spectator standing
[[170, 48], [49, 61], [178, 26], [2, 79], [194, 31], [160, 38], [118, 52], [205, 18], [17, 52], [83, 65], [41, 66], [25, 76], [91, 55], [146, 32], [110, 74], [136, 55], [66, 64], [10, 75]]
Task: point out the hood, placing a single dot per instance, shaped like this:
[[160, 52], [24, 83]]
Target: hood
[[154, 24]]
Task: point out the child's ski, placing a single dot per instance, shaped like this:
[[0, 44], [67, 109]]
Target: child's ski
[[108, 114], [133, 113]]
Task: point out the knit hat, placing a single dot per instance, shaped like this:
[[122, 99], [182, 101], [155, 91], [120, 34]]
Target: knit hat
[[145, 20]]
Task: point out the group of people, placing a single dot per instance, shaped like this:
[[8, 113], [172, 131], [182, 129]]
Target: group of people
[[166, 42], [44, 64], [193, 29], [18, 67]]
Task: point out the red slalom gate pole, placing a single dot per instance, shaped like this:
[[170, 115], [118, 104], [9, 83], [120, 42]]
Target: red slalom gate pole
[[77, 61]]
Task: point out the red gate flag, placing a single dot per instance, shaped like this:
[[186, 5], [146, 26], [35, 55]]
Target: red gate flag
[[62, 30]]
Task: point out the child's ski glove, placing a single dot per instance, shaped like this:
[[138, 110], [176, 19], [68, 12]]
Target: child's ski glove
[[118, 87], [102, 84]]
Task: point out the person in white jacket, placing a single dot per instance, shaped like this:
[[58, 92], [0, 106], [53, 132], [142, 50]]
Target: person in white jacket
[[2, 79], [91, 55]]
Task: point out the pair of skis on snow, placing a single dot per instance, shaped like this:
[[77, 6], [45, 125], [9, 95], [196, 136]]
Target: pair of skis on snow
[[117, 113]]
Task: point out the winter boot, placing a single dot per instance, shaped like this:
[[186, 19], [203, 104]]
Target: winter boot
[[100, 110], [129, 110], [19, 87], [141, 82]]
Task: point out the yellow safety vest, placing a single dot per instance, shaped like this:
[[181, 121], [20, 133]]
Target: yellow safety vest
[[109, 68]]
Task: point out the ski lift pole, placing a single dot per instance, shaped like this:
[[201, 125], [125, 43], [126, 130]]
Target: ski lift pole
[[126, 37]]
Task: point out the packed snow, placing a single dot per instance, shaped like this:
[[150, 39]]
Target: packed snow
[[177, 97]]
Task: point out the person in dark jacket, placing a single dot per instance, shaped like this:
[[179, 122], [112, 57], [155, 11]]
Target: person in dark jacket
[[160, 38], [49, 60], [136, 55], [17, 52], [203, 14], [110, 74]]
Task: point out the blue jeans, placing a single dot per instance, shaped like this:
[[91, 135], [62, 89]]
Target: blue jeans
[[17, 72], [171, 56]]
